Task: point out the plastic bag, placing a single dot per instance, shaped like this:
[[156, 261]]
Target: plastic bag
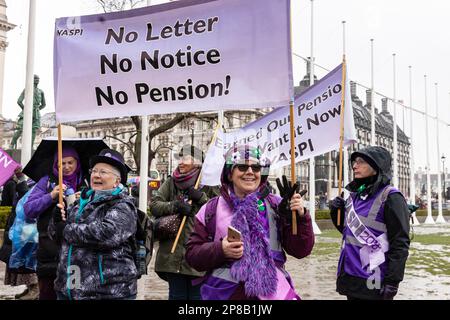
[[24, 237]]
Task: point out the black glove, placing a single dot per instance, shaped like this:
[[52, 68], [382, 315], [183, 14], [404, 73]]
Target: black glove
[[57, 215], [388, 291], [194, 194], [286, 191], [338, 203], [183, 208], [412, 208], [59, 223]]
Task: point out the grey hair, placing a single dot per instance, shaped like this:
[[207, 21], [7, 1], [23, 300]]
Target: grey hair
[[116, 171]]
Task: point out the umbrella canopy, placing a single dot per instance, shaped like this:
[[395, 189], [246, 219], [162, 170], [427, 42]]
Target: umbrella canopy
[[41, 162]]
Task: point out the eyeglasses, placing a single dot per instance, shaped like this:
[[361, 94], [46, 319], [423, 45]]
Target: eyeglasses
[[358, 161], [101, 172], [244, 167]]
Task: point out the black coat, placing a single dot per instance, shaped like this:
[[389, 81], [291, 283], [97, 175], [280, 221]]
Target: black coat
[[396, 218]]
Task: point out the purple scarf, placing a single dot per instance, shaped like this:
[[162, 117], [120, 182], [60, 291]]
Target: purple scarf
[[73, 180], [184, 181], [256, 268]]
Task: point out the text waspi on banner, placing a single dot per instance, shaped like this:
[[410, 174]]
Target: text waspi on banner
[[180, 56]]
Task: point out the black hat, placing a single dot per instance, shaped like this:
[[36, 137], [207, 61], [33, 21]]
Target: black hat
[[113, 158], [194, 152]]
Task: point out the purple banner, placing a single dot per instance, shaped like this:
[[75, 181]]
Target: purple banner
[[183, 56], [7, 166]]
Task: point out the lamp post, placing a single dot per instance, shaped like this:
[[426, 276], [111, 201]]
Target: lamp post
[[440, 217], [443, 176]]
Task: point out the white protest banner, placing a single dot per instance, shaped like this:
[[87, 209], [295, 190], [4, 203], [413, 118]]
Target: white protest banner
[[183, 56], [317, 128], [7, 167]]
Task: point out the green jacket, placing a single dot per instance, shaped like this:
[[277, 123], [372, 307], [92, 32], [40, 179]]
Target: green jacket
[[163, 204]]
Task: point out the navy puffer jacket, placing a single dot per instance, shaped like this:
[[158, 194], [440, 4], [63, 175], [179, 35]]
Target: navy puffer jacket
[[96, 253]]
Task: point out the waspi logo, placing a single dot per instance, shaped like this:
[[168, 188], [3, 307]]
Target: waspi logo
[[69, 32]]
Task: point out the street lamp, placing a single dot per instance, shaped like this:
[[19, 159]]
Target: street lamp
[[443, 174]]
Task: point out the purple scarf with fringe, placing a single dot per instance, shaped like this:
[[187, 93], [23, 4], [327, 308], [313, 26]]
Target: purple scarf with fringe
[[184, 181], [256, 268]]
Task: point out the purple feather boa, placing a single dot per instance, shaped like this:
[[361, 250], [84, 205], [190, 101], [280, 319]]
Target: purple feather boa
[[256, 268]]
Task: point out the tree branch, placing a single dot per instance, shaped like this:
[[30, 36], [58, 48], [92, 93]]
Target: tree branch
[[169, 124]]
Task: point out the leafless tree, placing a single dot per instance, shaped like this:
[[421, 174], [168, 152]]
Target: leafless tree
[[118, 5]]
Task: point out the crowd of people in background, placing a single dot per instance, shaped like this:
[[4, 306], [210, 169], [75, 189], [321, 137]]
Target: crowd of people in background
[[85, 248]]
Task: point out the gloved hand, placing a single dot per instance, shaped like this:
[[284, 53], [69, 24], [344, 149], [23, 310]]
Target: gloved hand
[[286, 192], [58, 213], [388, 291], [412, 208], [194, 194], [338, 203], [335, 204], [183, 208]]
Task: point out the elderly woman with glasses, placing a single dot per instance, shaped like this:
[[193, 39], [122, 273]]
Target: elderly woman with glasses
[[97, 256], [251, 268], [375, 229]]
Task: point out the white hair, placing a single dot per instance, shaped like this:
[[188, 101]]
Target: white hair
[[116, 171]]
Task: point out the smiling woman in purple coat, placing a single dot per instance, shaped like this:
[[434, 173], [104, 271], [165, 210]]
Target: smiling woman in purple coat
[[253, 268]]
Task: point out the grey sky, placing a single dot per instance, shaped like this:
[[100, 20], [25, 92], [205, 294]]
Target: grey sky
[[416, 30]]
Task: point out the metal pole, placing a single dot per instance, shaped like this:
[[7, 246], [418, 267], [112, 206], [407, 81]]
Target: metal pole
[[395, 177], [429, 219], [412, 183], [440, 217], [312, 173], [343, 37], [372, 104], [29, 89], [143, 173], [444, 196], [443, 177], [144, 164], [345, 150]]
